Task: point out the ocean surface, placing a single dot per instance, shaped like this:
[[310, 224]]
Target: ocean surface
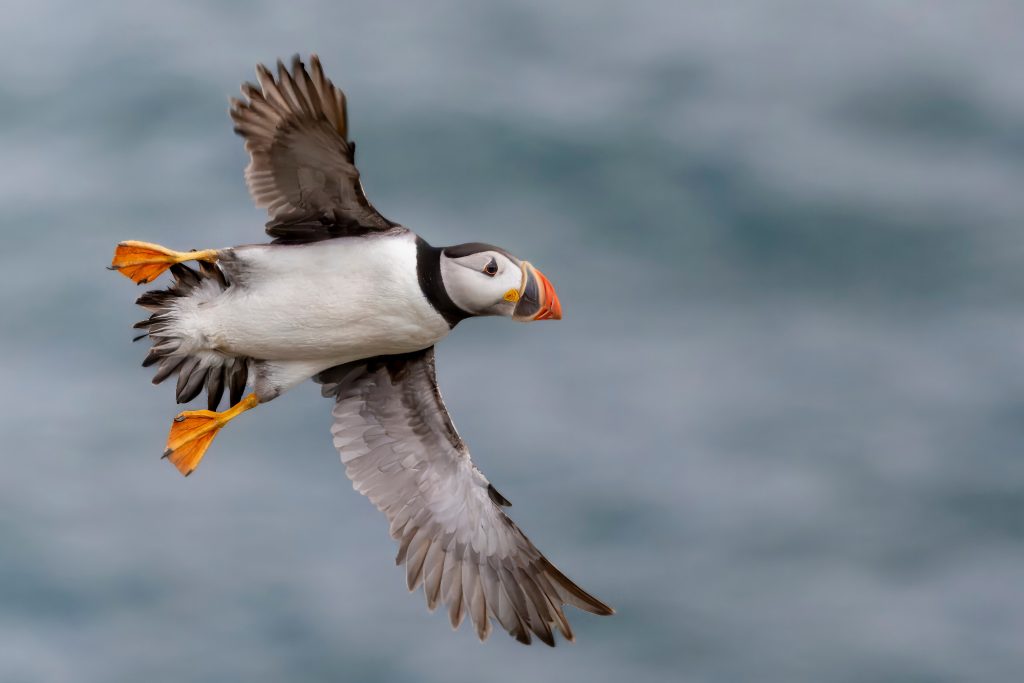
[[780, 428]]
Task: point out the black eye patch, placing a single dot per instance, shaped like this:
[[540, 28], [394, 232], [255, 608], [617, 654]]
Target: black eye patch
[[491, 269]]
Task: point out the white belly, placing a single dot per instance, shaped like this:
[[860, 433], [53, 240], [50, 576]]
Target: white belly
[[332, 301]]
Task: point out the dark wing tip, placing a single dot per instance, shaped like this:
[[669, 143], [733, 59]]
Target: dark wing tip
[[581, 598], [497, 497]]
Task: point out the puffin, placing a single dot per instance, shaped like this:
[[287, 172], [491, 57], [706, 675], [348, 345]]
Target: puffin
[[356, 302]]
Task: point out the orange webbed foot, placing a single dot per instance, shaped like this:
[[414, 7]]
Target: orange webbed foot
[[144, 262], [193, 431]]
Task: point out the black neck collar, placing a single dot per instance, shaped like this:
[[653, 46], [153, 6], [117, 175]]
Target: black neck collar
[[428, 270]]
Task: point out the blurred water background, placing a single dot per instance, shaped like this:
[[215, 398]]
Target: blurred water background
[[779, 428]]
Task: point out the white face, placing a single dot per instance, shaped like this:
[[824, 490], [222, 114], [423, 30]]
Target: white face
[[484, 283]]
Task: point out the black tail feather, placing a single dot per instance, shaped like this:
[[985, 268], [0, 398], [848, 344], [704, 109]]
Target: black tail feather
[[214, 387], [237, 376], [211, 371]]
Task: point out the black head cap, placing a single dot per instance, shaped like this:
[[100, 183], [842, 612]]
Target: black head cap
[[460, 250]]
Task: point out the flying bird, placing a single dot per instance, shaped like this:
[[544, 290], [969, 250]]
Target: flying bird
[[356, 302]]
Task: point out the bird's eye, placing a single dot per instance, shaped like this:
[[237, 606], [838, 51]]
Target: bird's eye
[[491, 269]]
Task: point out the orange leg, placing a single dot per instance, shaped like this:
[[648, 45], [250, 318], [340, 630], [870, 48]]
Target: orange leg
[[192, 433], [144, 262]]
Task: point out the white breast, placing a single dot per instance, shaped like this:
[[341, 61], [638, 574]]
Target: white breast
[[336, 300]]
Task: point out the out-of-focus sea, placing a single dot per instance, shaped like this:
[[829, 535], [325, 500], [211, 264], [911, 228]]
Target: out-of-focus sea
[[779, 429]]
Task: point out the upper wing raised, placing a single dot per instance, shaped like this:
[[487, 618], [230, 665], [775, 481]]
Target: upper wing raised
[[402, 451], [302, 163]]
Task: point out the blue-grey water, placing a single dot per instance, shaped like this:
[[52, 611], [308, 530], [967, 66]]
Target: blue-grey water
[[779, 429]]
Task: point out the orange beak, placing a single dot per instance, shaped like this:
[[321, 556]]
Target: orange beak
[[537, 298], [550, 306]]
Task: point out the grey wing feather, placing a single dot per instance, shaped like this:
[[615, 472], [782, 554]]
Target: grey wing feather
[[401, 450], [302, 163]]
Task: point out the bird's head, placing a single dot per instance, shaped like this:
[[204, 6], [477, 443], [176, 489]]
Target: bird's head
[[485, 280]]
